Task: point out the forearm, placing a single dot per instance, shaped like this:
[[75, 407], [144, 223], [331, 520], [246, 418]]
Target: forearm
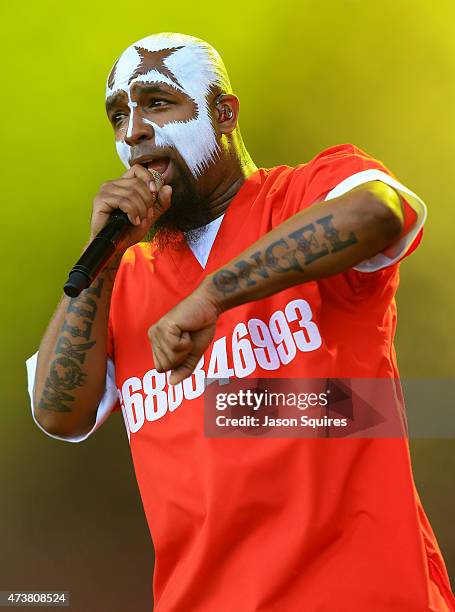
[[72, 359], [320, 241]]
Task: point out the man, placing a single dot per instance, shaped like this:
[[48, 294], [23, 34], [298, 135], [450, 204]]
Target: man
[[252, 273]]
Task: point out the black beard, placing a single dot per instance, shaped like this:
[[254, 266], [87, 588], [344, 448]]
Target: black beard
[[188, 212]]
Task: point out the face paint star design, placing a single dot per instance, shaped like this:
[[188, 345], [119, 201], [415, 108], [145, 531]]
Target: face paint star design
[[189, 66], [154, 60]]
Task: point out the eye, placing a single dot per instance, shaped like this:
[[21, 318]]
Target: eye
[[157, 103], [118, 118]]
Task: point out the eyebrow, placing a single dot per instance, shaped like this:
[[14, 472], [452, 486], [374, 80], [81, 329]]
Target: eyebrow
[[155, 88], [115, 99]]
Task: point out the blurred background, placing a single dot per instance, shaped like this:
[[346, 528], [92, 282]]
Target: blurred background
[[309, 75]]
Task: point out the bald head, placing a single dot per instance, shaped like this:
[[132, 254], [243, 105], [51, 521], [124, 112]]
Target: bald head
[[182, 61]]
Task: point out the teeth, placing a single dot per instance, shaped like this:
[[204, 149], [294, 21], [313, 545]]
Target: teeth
[[157, 178]]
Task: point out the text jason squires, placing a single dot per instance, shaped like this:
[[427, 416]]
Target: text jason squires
[[255, 400]]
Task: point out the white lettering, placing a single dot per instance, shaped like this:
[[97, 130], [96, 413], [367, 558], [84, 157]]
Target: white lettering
[[254, 344]]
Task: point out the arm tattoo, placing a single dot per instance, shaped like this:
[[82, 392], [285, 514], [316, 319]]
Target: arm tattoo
[[300, 248], [65, 372]]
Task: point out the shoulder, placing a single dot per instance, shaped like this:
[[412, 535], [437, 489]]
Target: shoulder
[[332, 166], [313, 181], [337, 161], [339, 151], [342, 158]]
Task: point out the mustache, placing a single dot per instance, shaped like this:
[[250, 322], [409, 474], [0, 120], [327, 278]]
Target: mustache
[[151, 151]]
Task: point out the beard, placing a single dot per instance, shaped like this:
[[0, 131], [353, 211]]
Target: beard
[[188, 213]]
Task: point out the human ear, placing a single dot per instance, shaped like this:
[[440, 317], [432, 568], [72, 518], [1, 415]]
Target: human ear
[[227, 109]]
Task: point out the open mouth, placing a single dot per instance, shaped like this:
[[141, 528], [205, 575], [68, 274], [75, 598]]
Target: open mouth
[[160, 164]]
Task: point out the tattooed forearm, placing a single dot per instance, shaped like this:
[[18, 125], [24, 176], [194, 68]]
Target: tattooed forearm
[[64, 376], [66, 373], [292, 253]]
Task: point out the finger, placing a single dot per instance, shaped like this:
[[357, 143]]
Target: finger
[[160, 360], [117, 190], [168, 363], [120, 202], [127, 204], [153, 181], [138, 171], [185, 369], [151, 178], [173, 350], [138, 186], [200, 341], [164, 198]]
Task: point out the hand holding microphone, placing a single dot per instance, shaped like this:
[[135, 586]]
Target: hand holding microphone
[[123, 213]]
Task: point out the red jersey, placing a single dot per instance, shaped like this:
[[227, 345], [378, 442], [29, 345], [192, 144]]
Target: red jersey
[[276, 524]]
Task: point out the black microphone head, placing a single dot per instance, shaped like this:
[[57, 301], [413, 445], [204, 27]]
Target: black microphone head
[[98, 252], [77, 282]]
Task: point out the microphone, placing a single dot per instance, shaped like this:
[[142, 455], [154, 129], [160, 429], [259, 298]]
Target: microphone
[[101, 248], [97, 254]]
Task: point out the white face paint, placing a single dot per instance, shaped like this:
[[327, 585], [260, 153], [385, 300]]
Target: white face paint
[[189, 67]]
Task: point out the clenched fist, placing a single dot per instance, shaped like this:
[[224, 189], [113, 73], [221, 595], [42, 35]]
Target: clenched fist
[[136, 193], [180, 337]]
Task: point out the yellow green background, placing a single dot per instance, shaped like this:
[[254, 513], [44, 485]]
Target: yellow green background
[[309, 74]]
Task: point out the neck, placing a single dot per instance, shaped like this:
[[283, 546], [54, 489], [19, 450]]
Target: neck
[[241, 167]]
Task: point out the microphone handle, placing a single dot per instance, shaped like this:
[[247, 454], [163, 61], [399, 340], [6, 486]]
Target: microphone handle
[[96, 254]]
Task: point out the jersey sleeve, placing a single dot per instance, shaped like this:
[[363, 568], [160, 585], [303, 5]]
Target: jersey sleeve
[[339, 170], [109, 401]]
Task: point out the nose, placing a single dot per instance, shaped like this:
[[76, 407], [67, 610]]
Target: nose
[[138, 130]]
